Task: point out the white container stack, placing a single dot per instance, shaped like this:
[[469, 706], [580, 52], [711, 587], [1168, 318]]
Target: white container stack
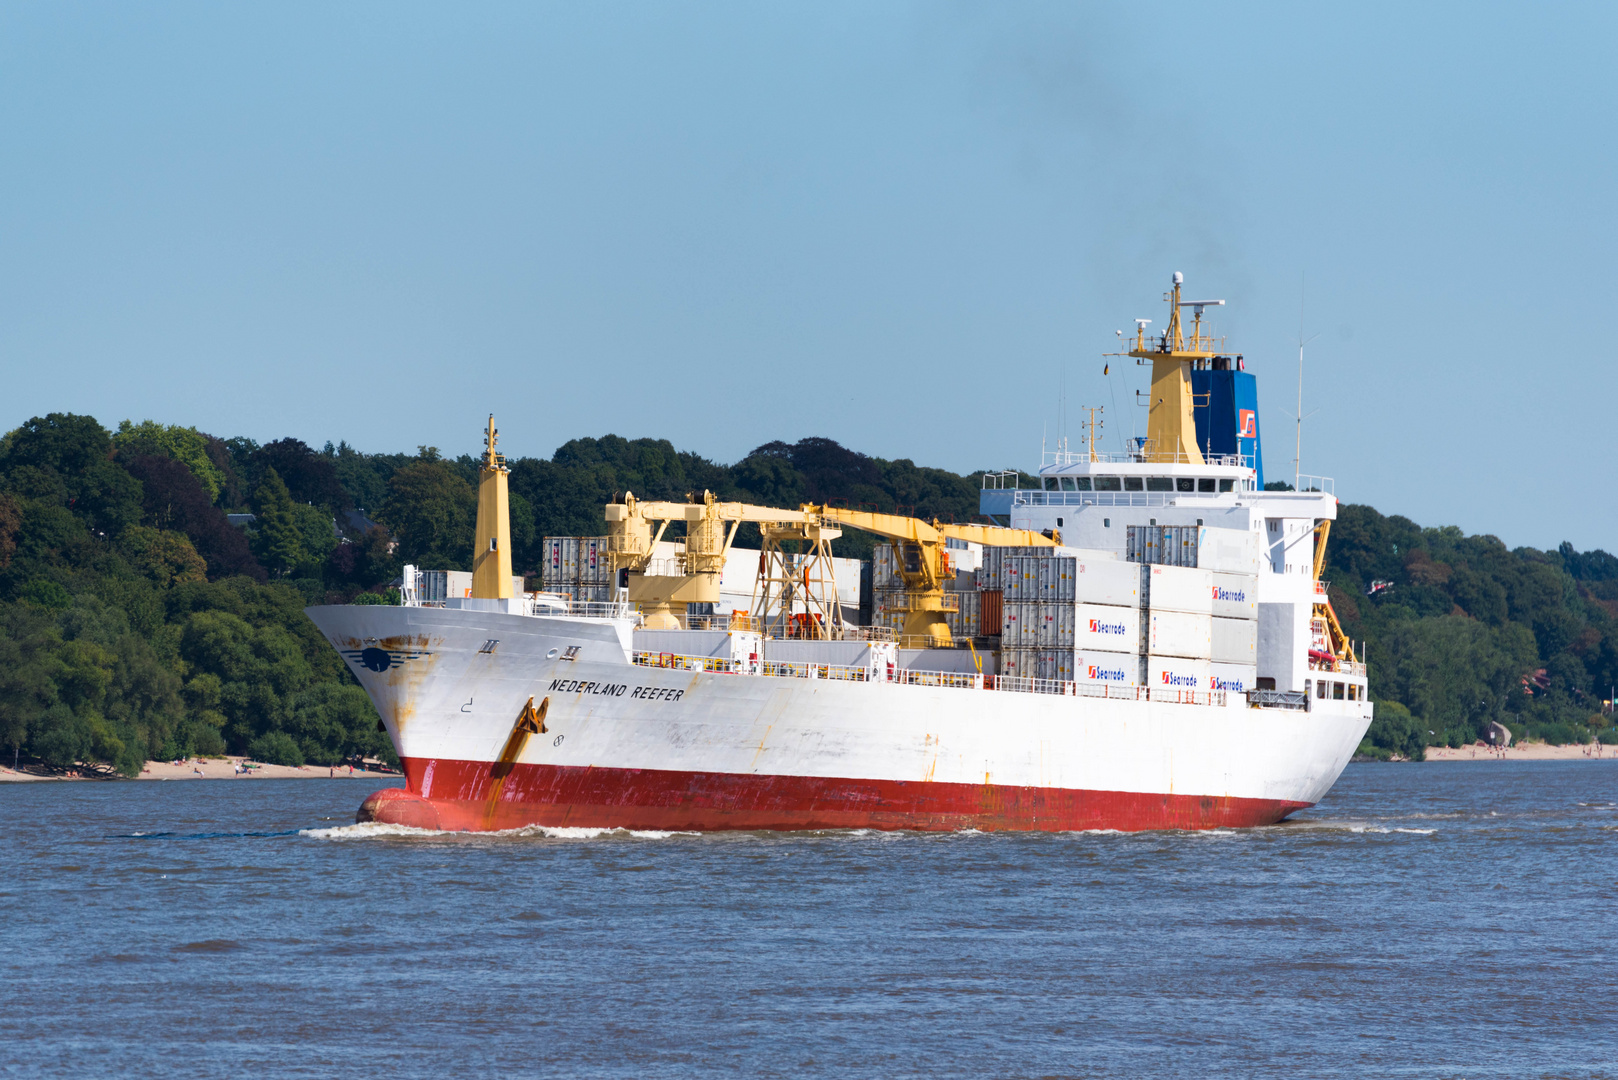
[[1058, 606], [578, 567], [1180, 616], [436, 586], [1202, 631]]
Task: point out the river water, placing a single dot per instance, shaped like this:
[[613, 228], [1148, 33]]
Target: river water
[[1440, 920]]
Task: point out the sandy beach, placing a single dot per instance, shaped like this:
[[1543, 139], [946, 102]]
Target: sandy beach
[[228, 768], [1524, 752]]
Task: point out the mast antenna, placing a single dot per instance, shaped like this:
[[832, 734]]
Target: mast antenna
[[1297, 452]]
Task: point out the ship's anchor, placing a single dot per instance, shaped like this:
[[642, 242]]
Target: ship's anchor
[[530, 721]]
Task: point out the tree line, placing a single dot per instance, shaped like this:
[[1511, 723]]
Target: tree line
[[137, 621]]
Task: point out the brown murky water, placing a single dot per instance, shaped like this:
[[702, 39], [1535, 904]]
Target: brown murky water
[[1440, 920]]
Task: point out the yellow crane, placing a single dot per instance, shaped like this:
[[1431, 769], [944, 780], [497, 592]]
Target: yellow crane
[[662, 590], [923, 562], [786, 583]]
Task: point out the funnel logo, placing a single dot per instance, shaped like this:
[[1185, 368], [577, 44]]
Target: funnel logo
[[1105, 674], [1249, 420], [1099, 627], [1171, 678], [1234, 596]]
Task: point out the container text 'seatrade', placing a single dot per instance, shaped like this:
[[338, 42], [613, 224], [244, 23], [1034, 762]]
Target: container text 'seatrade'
[[1140, 642]]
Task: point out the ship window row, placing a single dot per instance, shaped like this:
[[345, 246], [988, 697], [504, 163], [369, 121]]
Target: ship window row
[[1334, 690], [1193, 484]]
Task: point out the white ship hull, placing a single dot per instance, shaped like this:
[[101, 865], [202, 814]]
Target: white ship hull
[[642, 747]]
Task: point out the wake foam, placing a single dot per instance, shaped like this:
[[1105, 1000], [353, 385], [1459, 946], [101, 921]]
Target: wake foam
[[372, 830]]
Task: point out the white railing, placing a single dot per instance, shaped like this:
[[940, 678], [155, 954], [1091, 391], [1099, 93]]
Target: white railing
[[721, 622], [1188, 697], [592, 609], [1030, 497], [1020, 685], [1338, 667], [1311, 485], [1026, 497], [794, 669], [997, 481], [719, 665], [554, 604], [960, 680], [1061, 687], [1143, 456]]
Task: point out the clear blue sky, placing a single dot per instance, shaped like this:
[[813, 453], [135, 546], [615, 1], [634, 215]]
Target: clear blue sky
[[909, 228]]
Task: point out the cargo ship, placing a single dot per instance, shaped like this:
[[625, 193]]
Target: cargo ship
[[1141, 641]]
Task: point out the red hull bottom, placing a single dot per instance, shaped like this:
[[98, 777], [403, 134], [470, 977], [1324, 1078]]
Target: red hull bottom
[[469, 796]]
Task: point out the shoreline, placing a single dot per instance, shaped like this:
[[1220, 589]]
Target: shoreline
[[226, 768], [1525, 752]]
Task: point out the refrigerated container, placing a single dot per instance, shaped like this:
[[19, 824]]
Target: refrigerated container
[[1180, 633], [1177, 673], [1100, 666], [1234, 641], [1235, 596], [1104, 627], [1179, 588], [1100, 581], [1232, 678]]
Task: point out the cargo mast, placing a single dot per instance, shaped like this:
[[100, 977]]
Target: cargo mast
[[491, 555], [1171, 432]]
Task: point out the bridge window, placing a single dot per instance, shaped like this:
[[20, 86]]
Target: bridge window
[[1159, 483], [1184, 483], [1227, 485], [1050, 483], [1337, 691], [1083, 482], [1205, 484], [1067, 483], [1132, 483], [1109, 483]]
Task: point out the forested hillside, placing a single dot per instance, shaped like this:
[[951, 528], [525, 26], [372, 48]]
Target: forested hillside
[[136, 621]]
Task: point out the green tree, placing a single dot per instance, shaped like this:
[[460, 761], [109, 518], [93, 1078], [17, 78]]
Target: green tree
[[186, 445], [316, 537], [432, 511], [277, 530], [277, 748], [164, 556]]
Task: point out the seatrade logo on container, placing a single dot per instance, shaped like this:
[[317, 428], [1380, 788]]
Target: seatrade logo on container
[[1234, 596], [1233, 685], [1104, 674], [1097, 626], [1174, 678]]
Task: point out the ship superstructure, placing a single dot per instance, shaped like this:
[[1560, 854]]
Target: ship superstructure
[[1149, 647]]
